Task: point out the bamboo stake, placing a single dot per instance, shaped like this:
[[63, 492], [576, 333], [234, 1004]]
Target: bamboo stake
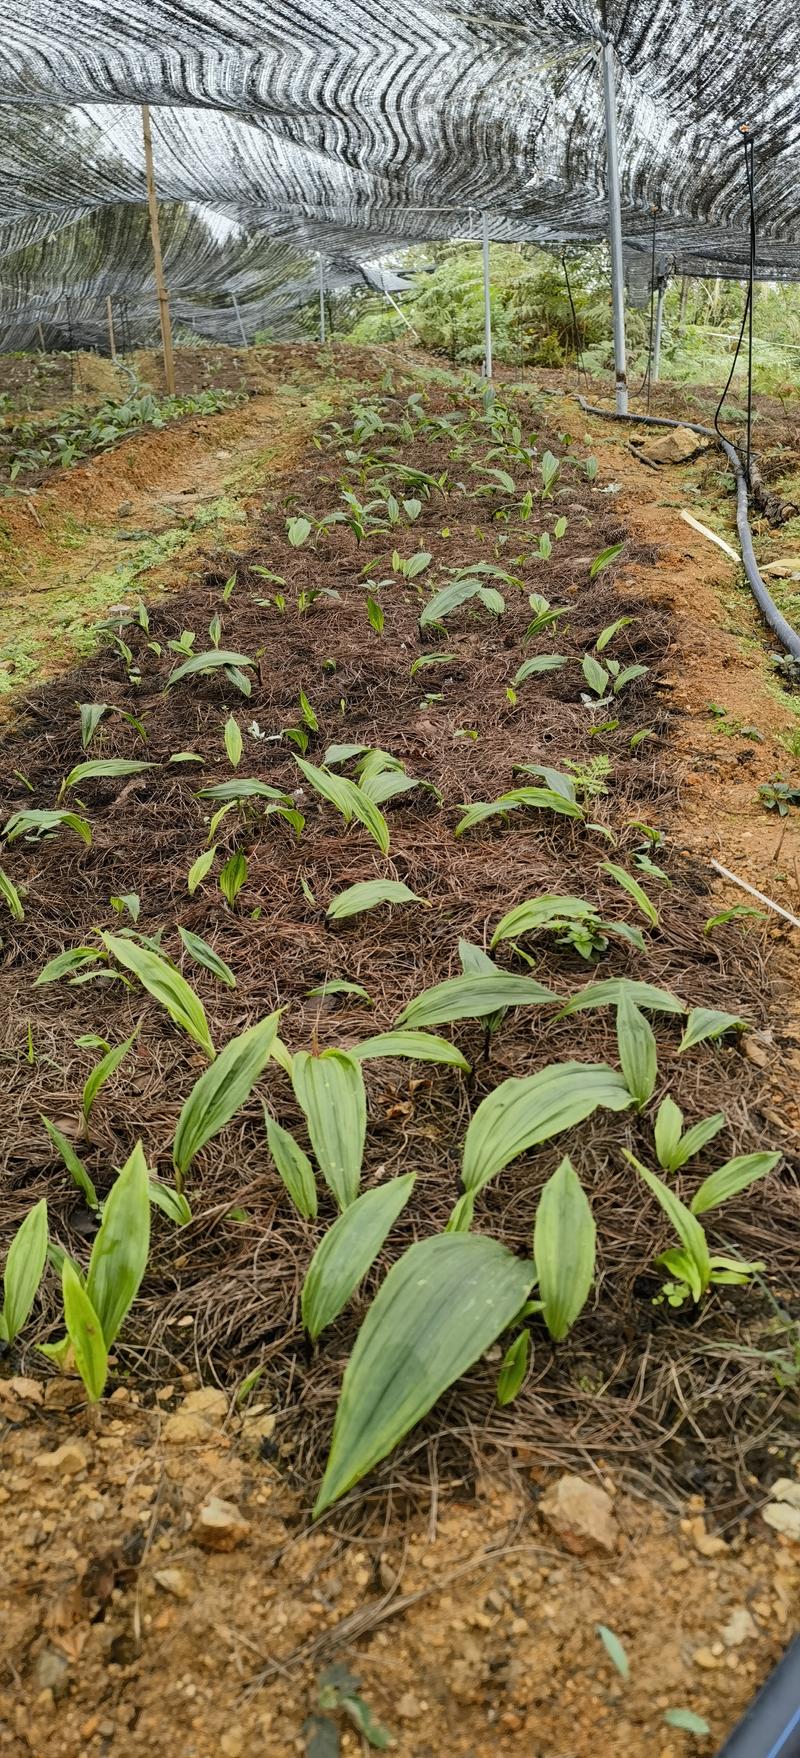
[[158, 266], [112, 342]]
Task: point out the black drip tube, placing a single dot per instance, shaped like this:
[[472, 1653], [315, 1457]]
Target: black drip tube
[[787, 636], [770, 1728]]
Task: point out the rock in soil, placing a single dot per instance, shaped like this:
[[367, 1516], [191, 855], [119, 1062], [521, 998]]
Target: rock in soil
[[582, 1515], [220, 1525]]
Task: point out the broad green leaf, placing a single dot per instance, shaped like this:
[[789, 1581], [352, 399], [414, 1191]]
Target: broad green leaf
[[535, 667], [473, 997], [688, 1229], [627, 676], [65, 963], [349, 799], [85, 1332], [10, 896], [130, 901], [166, 985], [222, 1089], [215, 657], [595, 674], [367, 896], [607, 634], [608, 992], [418, 1046], [205, 955], [708, 1022], [342, 754], [233, 876], [344, 1255], [23, 1271], [687, 1721], [729, 1179], [233, 741], [297, 530], [330, 1090], [521, 1113], [513, 1368], [637, 1051], [426, 659], [91, 714], [604, 560], [103, 1071], [120, 1250], [691, 1143], [74, 1165], [199, 868], [538, 912], [739, 912], [669, 1125], [633, 889], [39, 823], [293, 1166], [439, 1308], [338, 986], [450, 597], [543, 798], [611, 1643], [171, 1202], [243, 787], [563, 1249], [108, 766]]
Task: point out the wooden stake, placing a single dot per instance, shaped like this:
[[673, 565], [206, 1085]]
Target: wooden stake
[[112, 343], [41, 338], [158, 266]]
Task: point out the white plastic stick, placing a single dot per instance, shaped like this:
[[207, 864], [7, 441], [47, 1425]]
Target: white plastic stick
[[743, 886], [711, 535]]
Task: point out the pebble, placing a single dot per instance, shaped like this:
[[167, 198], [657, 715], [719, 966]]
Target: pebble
[[582, 1515], [220, 1525], [66, 1461]]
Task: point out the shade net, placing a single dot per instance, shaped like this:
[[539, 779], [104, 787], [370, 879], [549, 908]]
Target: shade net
[[351, 127]]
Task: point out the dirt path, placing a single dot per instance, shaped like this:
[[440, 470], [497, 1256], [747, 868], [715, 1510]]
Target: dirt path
[[142, 519]]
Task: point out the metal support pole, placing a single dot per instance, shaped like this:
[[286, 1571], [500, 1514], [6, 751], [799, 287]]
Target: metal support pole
[[615, 229], [111, 341], [158, 266], [321, 300], [487, 302], [662, 288], [242, 330]]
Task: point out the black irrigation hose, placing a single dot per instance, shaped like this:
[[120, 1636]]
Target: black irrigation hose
[[787, 636], [770, 1728]]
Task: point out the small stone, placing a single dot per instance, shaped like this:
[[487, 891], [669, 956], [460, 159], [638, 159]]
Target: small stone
[[208, 1401], [173, 1581], [703, 1657], [50, 1671], [739, 1628], [755, 1052], [783, 1518], [220, 1525], [186, 1429], [707, 1545], [30, 1391], [582, 1515], [232, 1742], [408, 1707], [124, 509], [66, 1461]]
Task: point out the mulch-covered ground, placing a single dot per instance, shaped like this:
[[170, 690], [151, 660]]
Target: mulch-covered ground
[[661, 1397]]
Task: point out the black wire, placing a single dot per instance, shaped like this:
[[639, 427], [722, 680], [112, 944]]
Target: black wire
[[578, 362], [748, 305]]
